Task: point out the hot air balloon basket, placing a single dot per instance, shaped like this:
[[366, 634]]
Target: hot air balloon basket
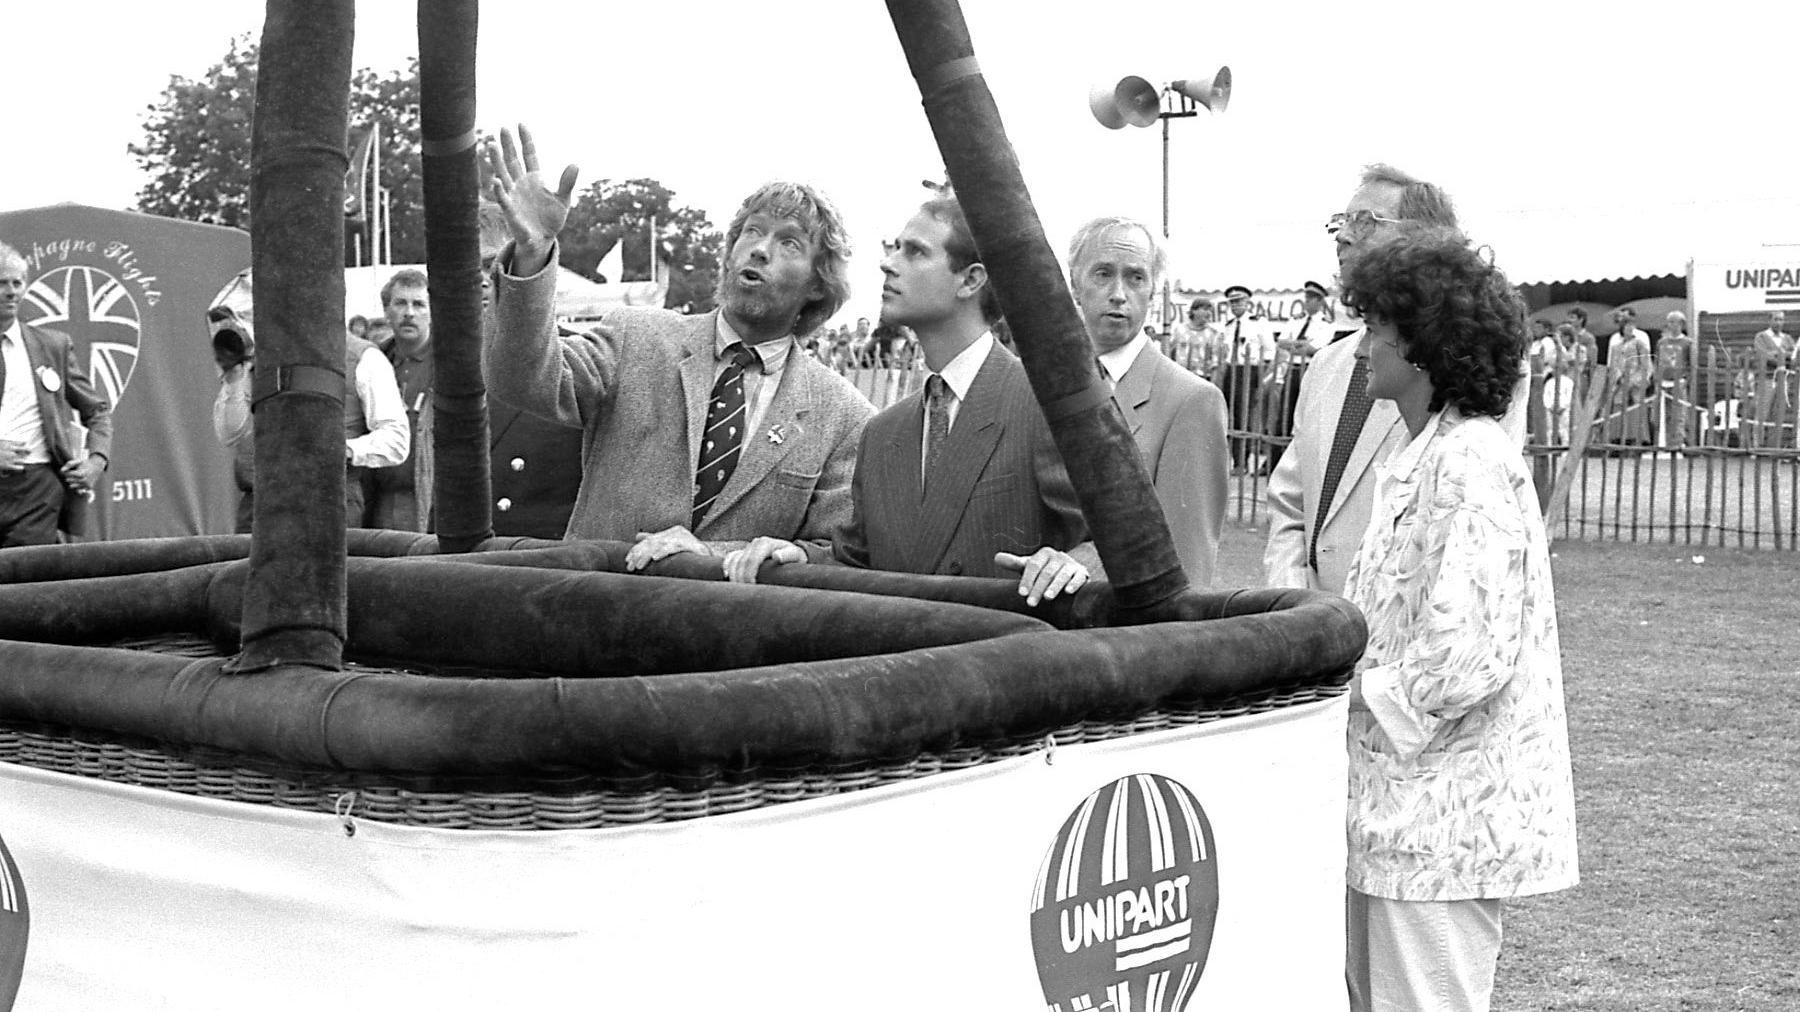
[[549, 801]]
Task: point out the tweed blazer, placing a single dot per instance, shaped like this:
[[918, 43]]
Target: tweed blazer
[[999, 485], [51, 352], [1460, 783], [638, 387], [1295, 484], [1178, 422]]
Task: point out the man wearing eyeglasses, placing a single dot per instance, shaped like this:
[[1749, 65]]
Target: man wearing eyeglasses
[[1322, 490]]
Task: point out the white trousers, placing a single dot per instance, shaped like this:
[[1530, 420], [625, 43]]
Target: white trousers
[[1403, 956]]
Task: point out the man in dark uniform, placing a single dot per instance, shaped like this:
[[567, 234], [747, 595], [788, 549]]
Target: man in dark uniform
[[535, 464]]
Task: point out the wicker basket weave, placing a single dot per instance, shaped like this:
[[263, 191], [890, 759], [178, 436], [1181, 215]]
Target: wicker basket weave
[[576, 802]]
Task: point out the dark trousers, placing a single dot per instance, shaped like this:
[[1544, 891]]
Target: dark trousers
[[31, 500]]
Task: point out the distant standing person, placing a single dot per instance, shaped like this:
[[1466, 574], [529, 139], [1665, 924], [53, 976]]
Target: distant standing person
[[43, 387], [400, 496], [1771, 353], [1675, 362], [1629, 363], [375, 432], [1246, 347], [1461, 793]]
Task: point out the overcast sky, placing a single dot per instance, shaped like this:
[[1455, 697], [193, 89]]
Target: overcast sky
[[1532, 111]]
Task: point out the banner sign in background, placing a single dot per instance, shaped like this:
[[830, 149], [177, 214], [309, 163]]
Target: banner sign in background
[[132, 290], [1754, 283], [1201, 867]]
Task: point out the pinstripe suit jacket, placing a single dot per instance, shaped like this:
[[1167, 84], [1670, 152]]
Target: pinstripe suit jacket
[[999, 484], [639, 393]]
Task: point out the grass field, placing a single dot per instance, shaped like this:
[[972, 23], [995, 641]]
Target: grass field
[[1683, 687]]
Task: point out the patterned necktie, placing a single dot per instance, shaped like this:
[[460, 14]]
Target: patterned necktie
[[1349, 428], [937, 414], [724, 434]]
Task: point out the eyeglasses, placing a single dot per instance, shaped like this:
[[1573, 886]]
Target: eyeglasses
[[1357, 222]]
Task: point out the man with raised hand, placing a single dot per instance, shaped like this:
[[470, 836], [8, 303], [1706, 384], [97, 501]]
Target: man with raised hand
[[701, 432], [960, 478]]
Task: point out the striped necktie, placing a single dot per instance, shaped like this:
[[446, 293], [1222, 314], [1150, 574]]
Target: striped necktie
[[937, 415], [724, 433]]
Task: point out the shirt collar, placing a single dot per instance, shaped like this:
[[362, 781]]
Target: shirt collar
[[14, 331], [772, 353], [1402, 464], [1119, 360], [961, 370]]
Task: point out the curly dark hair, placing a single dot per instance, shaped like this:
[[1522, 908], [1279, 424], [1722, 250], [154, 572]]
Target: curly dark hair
[[1460, 318]]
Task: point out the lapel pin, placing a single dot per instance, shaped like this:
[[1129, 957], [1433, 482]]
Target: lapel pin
[[47, 376], [776, 434]]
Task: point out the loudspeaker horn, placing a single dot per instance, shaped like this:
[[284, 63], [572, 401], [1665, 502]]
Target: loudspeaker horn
[[1138, 101], [1100, 101], [1214, 94]]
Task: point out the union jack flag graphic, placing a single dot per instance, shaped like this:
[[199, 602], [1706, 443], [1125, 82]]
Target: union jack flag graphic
[[98, 311]]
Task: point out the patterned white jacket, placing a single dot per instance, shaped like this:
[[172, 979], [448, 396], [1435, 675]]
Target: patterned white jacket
[[1460, 785]]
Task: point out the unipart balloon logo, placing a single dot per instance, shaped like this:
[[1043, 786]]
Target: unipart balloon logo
[[1123, 911], [15, 925]]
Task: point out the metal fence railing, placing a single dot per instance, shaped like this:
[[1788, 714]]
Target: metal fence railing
[[1700, 452]]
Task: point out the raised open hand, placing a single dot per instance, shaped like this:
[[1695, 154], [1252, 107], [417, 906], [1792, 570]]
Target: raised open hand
[[534, 212]]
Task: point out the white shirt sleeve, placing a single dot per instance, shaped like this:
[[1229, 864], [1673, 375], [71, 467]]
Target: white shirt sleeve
[[389, 439], [231, 406]]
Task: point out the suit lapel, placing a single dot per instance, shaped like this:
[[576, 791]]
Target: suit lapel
[[1132, 394], [788, 415], [965, 455], [1383, 418], [696, 385], [38, 359]]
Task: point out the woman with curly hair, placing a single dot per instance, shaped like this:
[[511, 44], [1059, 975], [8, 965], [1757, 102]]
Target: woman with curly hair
[[1460, 789]]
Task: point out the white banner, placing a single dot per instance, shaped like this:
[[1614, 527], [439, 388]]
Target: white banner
[[917, 895], [1754, 283]]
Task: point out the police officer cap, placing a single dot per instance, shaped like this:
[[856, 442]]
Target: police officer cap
[[1314, 288], [1237, 292]]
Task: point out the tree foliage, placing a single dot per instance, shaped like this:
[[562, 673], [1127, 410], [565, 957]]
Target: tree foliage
[[196, 145], [196, 153], [607, 213]]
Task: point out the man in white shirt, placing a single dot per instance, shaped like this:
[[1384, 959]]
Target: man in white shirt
[[43, 386], [1246, 346], [375, 427]]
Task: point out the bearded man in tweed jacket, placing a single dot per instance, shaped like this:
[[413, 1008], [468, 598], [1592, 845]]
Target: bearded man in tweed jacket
[[641, 385]]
